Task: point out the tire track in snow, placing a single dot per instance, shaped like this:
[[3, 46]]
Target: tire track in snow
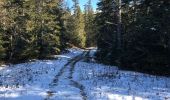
[[60, 73], [71, 66], [81, 88], [75, 83]]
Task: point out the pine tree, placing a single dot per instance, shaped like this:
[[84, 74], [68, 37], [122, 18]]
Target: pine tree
[[78, 34], [107, 31], [43, 24], [147, 35], [64, 15], [2, 49], [14, 28], [31, 29], [2, 14], [90, 27]]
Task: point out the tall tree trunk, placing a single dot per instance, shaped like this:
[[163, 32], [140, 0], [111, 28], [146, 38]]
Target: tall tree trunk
[[119, 33], [135, 10], [11, 48]]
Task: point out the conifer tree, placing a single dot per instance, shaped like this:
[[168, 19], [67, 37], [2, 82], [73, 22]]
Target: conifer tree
[[90, 27], [2, 14], [67, 25], [31, 28], [2, 49], [79, 35], [64, 15], [14, 29], [146, 36], [107, 31], [43, 24], [143, 29]]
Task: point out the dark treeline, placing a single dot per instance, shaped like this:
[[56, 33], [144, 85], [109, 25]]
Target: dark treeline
[[38, 29], [29, 29], [135, 34]]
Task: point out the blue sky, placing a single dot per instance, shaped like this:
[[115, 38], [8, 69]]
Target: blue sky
[[83, 2]]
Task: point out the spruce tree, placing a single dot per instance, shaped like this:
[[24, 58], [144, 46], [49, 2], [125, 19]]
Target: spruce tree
[[64, 15], [43, 24], [147, 36], [79, 35], [14, 29], [90, 26], [143, 29], [31, 29], [107, 31], [2, 49], [67, 26], [2, 14]]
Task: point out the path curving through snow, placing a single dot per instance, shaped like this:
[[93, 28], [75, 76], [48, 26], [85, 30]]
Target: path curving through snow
[[76, 76], [67, 72]]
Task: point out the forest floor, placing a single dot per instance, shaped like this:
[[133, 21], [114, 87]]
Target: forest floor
[[76, 76]]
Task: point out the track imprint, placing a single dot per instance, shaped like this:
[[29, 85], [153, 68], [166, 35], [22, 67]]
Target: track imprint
[[68, 68]]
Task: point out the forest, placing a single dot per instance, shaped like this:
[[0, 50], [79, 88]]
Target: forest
[[84, 49], [131, 34]]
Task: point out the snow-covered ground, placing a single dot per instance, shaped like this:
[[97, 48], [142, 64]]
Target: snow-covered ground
[[72, 77], [108, 83]]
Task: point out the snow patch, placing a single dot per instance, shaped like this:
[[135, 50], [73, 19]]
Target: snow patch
[[31, 81]]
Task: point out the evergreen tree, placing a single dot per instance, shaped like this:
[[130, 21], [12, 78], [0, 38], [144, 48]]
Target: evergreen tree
[[138, 28], [43, 24], [107, 31], [68, 26], [64, 15], [147, 36], [90, 27], [78, 34], [31, 29], [2, 14], [14, 29], [2, 49]]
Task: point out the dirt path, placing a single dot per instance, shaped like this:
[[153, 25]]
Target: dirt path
[[66, 74]]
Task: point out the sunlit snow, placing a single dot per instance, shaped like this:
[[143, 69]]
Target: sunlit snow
[[73, 77]]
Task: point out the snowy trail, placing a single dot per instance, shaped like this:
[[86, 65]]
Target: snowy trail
[[68, 68], [75, 75]]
